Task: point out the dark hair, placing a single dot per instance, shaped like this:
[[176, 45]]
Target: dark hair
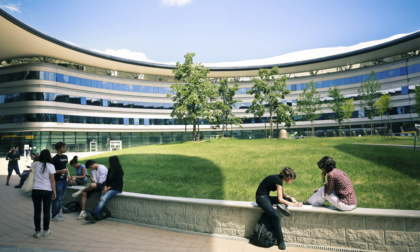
[[89, 163], [287, 173], [59, 145], [36, 157], [114, 164], [74, 161], [44, 158], [327, 163]]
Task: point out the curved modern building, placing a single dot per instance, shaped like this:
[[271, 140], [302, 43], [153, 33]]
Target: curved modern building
[[53, 91]]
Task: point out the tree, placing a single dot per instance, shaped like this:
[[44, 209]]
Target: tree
[[308, 104], [348, 109], [267, 91], [336, 105], [221, 110], [384, 107], [417, 99], [191, 97], [368, 94]]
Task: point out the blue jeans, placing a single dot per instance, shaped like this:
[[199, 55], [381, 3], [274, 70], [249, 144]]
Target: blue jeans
[[104, 199], [265, 202], [61, 189]]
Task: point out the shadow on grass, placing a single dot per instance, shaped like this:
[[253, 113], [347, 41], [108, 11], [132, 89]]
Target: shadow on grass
[[171, 175], [401, 160]]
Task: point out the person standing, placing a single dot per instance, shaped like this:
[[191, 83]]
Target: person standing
[[338, 191], [61, 175], [43, 192], [99, 174], [13, 157], [265, 201], [113, 186]]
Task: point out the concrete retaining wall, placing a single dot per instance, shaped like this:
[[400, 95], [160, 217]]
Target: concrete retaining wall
[[360, 229]]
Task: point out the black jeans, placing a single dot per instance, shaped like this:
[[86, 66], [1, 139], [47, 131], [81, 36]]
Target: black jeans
[[42, 197], [266, 202]]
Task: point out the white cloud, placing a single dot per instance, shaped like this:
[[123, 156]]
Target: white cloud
[[285, 58], [305, 54], [11, 7], [127, 54], [170, 3]]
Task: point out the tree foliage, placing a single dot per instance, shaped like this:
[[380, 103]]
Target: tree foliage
[[368, 94], [308, 104], [268, 91], [336, 105], [193, 92], [417, 99], [384, 107], [221, 109], [348, 108]]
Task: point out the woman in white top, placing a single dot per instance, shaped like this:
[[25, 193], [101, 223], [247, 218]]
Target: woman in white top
[[43, 192]]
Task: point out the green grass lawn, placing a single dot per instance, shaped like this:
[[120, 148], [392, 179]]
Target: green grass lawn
[[231, 169]]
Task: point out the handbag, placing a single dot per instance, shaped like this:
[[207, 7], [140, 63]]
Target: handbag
[[29, 182]]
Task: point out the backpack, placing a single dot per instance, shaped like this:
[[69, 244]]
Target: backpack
[[71, 207], [263, 234]]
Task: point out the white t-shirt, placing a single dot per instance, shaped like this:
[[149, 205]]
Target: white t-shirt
[[100, 175], [42, 180]]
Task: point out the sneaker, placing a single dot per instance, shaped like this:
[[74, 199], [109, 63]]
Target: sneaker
[[283, 209], [61, 215], [46, 233], [89, 218], [57, 219], [82, 215], [76, 194], [18, 186], [281, 245], [37, 234]]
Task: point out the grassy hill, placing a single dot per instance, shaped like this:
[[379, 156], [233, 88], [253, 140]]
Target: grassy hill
[[232, 169]]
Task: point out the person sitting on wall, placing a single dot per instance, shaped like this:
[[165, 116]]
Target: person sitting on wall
[[338, 191], [99, 174], [113, 186], [265, 201], [81, 172]]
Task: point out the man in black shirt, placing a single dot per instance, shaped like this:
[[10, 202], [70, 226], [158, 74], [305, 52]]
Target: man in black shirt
[[62, 174], [13, 158]]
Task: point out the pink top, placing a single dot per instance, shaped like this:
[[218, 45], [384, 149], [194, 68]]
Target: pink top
[[339, 182]]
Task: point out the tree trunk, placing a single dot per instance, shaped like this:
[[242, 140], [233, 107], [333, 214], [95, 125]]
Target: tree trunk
[[194, 130], [185, 135], [371, 127], [198, 128], [223, 129], [339, 129], [271, 125], [313, 129], [350, 126]]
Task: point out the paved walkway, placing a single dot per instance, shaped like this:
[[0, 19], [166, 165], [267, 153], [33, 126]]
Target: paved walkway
[[16, 229]]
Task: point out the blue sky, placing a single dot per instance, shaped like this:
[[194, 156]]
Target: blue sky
[[216, 30]]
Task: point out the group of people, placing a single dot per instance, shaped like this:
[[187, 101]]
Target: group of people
[[337, 190], [51, 178]]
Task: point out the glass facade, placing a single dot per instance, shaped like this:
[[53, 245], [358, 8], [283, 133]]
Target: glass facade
[[62, 78]]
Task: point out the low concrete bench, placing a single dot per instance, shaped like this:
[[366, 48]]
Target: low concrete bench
[[320, 227]]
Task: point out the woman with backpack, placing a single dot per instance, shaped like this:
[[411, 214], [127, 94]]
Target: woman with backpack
[[265, 201], [43, 192]]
